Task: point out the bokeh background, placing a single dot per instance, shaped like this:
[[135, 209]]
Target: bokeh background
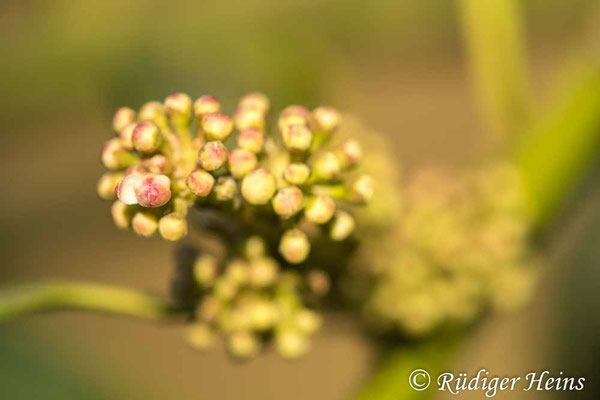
[[400, 65]]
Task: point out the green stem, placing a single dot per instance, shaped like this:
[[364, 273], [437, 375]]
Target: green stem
[[18, 300]]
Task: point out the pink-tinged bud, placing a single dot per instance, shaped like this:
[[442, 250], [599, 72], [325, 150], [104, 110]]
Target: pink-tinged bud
[[292, 119], [126, 136], [320, 209], [326, 119], [318, 282], [152, 111], [121, 214], [206, 267], [342, 226], [288, 201], [179, 104], [225, 189], [206, 105], [136, 169], [326, 166], [172, 227], [107, 184], [241, 162], [300, 111], [125, 189], [200, 182], [255, 100], [123, 117], [144, 224], [217, 126], [146, 137], [153, 190], [159, 164], [296, 173], [258, 187], [212, 156], [251, 139], [263, 272], [294, 246], [249, 117], [350, 154], [297, 138], [115, 156], [362, 189]]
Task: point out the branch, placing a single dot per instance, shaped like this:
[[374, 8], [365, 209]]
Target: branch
[[18, 300]]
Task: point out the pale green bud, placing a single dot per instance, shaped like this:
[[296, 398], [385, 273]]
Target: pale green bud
[[288, 201], [296, 173], [205, 270], [251, 139], [258, 187], [225, 189], [123, 117], [107, 184], [217, 126], [213, 155], [342, 226], [294, 246], [241, 162], [172, 227], [319, 209], [144, 224], [263, 272]]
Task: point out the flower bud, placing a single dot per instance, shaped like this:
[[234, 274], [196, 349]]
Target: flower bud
[[210, 308], [320, 209], [243, 344], [153, 111], [249, 117], [125, 189], [296, 173], [342, 226], [179, 107], [237, 270], [206, 105], [262, 315], [256, 101], [258, 187], [158, 164], [287, 201], [251, 139], [263, 272], [205, 270], [318, 282], [326, 166], [200, 182], [123, 117], [126, 136], [225, 289], [213, 155], [294, 246], [146, 137], [200, 336], [121, 214], [296, 138], [217, 126], [325, 119], [307, 321], [241, 162], [291, 343], [350, 154], [144, 224], [107, 184], [136, 169], [225, 189], [254, 247], [115, 156], [153, 190], [362, 189], [172, 227]]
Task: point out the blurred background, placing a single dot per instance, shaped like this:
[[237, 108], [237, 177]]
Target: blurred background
[[400, 65]]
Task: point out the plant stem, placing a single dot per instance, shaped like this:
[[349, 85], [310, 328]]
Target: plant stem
[[23, 299]]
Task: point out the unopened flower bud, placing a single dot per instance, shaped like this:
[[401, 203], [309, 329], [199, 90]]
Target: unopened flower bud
[[296, 173], [342, 226], [125, 189], [153, 111], [217, 126], [287, 201], [238, 271], [123, 117], [158, 164], [318, 282], [294, 246], [225, 189], [249, 117], [107, 184], [243, 344], [200, 336], [209, 309], [144, 224], [153, 190], [121, 214], [146, 137], [296, 138], [263, 272], [262, 315], [308, 321], [350, 154], [291, 343], [213, 155], [362, 189], [115, 156], [320, 209], [205, 270], [226, 289], [254, 247], [258, 187], [251, 139], [136, 169], [126, 136], [241, 162], [255, 100], [179, 107], [172, 227], [200, 182], [325, 119], [206, 105], [326, 166]]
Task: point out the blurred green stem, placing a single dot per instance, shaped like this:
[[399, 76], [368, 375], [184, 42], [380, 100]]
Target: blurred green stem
[[493, 35], [22, 299]]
